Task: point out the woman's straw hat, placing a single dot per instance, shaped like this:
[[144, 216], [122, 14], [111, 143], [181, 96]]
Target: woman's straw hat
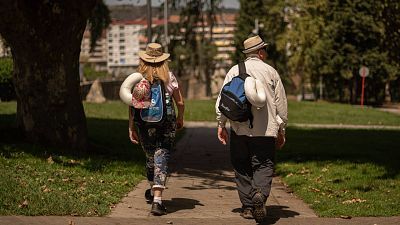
[[153, 53], [253, 43]]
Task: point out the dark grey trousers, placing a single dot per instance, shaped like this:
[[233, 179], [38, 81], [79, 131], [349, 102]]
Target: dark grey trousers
[[253, 161]]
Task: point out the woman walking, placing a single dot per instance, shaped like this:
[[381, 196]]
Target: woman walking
[[154, 94]]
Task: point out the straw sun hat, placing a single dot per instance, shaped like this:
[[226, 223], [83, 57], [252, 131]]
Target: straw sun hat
[[253, 43], [153, 53]]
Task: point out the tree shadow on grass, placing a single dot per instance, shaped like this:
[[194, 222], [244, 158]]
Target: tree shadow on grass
[[379, 147], [108, 141]]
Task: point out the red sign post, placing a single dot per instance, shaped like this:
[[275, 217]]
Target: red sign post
[[364, 71]]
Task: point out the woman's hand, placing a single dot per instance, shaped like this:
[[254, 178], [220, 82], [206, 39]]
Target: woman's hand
[[133, 136], [179, 122]]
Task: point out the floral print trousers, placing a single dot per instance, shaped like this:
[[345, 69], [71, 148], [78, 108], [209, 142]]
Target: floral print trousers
[[157, 144]]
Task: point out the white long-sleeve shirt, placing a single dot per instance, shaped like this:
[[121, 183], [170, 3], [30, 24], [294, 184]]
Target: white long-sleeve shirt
[[266, 120]]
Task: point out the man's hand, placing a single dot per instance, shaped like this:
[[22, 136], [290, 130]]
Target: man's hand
[[280, 139], [222, 135], [133, 136]]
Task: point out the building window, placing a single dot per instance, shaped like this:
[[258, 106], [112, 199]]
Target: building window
[[110, 54], [121, 27], [122, 34], [121, 47], [122, 60], [122, 53], [121, 40], [110, 47]]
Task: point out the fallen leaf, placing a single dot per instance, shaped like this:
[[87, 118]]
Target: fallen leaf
[[345, 217], [45, 189], [24, 204], [354, 200], [170, 222], [315, 190], [50, 160]]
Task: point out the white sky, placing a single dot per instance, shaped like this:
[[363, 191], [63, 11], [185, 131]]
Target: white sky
[[226, 3]]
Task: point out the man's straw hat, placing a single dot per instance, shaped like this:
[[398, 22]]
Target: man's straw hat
[[153, 53], [253, 43]]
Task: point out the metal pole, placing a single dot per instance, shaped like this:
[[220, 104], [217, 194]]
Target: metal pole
[[320, 88], [362, 91], [149, 17], [166, 25]]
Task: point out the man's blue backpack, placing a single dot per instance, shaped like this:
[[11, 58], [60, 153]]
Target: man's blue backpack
[[154, 116], [233, 103]]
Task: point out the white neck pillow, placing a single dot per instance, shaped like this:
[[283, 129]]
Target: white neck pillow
[[125, 91], [255, 92]]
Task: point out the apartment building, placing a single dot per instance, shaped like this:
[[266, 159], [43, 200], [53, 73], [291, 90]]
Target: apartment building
[[124, 40], [223, 34], [97, 57]]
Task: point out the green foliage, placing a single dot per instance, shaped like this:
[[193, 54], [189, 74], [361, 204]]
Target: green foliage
[[99, 20], [6, 70], [92, 74], [311, 39], [245, 23], [332, 39], [192, 49]]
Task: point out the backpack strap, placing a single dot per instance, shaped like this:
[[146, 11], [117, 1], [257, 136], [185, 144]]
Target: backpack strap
[[242, 71], [244, 75]]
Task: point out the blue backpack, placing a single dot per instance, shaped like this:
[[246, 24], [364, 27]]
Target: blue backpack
[[233, 103], [154, 116]]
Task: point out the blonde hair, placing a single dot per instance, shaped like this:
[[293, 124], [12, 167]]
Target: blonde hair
[[151, 71]]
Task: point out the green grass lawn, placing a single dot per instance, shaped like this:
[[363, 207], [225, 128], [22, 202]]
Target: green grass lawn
[[307, 112], [40, 181], [336, 171]]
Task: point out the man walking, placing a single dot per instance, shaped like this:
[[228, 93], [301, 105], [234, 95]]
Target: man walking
[[252, 148]]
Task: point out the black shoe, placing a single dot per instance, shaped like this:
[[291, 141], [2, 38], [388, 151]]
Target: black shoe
[[260, 212], [247, 213], [158, 209], [148, 196]]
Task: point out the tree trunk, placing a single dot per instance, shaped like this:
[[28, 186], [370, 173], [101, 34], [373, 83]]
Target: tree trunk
[[45, 39]]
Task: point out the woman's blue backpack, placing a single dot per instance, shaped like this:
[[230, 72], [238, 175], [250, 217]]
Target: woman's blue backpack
[[233, 103], [154, 116]]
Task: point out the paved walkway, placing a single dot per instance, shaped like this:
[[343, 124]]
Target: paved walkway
[[201, 191], [202, 186]]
